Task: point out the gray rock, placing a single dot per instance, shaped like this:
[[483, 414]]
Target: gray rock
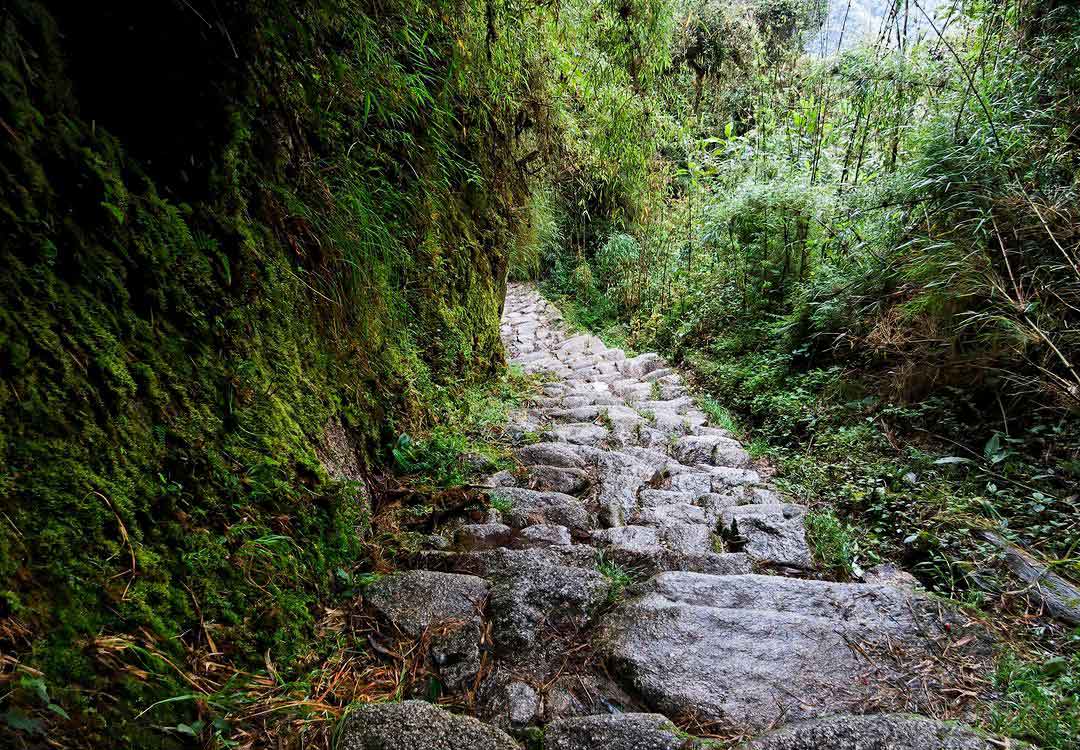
[[650, 498], [576, 414], [417, 725], [632, 538], [725, 477], [673, 390], [500, 479], [504, 563], [584, 694], [417, 599], [508, 702], [641, 364], [631, 389], [695, 449], [621, 475], [438, 541], [875, 732], [532, 597], [763, 495], [687, 538], [656, 459], [580, 344], [584, 433], [647, 562], [528, 507], [659, 515], [615, 732], [539, 365], [657, 374], [770, 533], [483, 535], [751, 650], [693, 483], [669, 423], [545, 535], [731, 454], [450, 604], [556, 479], [890, 575], [553, 454], [713, 505]]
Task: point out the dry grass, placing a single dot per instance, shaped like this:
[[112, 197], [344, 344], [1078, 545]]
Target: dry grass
[[369, 665], [942, 676]]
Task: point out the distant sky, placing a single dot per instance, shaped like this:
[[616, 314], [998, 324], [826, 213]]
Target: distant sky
[[864, 20]]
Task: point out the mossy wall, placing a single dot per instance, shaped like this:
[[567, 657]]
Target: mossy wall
[[225, 227]]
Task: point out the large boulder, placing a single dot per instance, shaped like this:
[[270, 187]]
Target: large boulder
[[751, 650], [876, 732], [417, 725]]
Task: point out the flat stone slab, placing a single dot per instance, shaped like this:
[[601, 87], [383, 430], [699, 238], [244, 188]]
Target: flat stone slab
[[528, 507], [770, 533], [579, 433], [483, 535], [752, 650], [556, 479], [533, 597], [417, 725], [546, 535], [554, 454], [615, 732], [418, 599], [877, 732], [648, 562]]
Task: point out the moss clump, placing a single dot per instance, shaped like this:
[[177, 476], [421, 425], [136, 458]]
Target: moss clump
[[289, 230]]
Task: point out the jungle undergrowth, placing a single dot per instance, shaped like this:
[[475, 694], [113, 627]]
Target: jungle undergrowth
[[883, 484]]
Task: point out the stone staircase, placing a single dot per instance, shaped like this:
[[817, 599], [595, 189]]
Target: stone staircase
[[640, 575]]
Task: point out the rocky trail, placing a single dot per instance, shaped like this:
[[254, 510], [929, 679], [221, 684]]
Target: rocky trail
[[639, 584]]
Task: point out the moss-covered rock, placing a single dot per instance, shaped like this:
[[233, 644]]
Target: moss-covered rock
[[221, 236]]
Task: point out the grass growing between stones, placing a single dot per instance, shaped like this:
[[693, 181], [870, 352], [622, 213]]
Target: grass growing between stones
[[617, 576]]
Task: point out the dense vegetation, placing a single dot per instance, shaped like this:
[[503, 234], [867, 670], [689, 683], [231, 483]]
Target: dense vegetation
[[871, 252], [254, 259], [246, 245]]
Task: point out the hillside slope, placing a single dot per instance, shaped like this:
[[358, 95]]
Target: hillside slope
[[243, 248]]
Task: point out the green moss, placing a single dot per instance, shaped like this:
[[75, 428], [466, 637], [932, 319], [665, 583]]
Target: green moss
[[174, 346]]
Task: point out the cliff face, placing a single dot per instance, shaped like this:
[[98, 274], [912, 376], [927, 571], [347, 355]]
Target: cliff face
[[227, 231]]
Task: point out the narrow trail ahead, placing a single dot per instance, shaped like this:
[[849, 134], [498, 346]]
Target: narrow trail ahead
[[637, 571]]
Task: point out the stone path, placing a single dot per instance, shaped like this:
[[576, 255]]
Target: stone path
[[636, 570]]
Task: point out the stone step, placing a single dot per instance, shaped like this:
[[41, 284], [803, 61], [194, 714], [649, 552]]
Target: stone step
[[752, 650]]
